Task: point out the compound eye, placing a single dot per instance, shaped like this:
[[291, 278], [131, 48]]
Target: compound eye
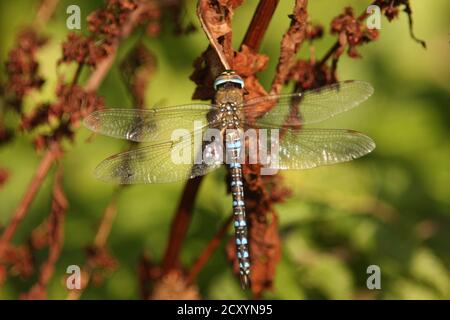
[[227, 77]]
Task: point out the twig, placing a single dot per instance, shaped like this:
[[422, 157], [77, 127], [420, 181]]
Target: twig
[[56, 238], [408, 12], [77, 74], [364, 15], [144, 276], [329, 53], [209, 250], [259, 24], [45, 11], [56, 222], [107, 220], [180, 224], [41, 172]]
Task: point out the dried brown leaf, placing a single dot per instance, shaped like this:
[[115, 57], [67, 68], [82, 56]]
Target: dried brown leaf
[[290, 44]]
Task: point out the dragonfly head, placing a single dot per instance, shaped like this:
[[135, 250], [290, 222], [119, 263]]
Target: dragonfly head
[[228, 77]]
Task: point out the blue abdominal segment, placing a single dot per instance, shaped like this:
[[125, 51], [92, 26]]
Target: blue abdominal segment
[[240, 224]]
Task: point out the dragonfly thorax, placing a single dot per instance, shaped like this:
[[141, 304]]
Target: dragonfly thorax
[[230, 115], [229, 99]]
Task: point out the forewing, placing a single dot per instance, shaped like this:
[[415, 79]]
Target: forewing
[[149, 124], [310, 106]]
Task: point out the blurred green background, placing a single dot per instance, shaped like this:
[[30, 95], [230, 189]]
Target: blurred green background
[[390, 208]]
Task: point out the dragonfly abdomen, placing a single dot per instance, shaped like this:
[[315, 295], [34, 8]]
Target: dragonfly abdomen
[[240, 224]]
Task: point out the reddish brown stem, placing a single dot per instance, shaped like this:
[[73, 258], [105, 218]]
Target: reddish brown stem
[[56, 224], [180, 224], [106, 222], [259, 24], [208, 251], [329, 53], [77, 74], [56, 238], [41, 172], [144, 276], [45, 11]]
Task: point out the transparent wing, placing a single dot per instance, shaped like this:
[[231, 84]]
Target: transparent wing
[[309, 148], [150, 124], [310, 106], [163, 162]]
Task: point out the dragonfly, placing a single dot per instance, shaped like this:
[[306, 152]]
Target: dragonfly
[[170, 130]]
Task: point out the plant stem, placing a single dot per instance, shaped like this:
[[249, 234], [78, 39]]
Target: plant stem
[[41, 172], [209, 250], [180, 223], [259, 24]]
